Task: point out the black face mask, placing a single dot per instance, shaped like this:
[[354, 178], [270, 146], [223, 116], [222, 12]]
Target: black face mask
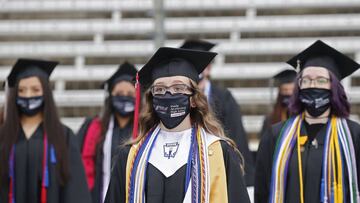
[[30, 106], [171, 109], [316, 100], [123, 105], [285, 100]]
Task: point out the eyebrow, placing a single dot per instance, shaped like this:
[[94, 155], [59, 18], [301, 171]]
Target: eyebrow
[[309, 76], [159, 83], [178, 81]]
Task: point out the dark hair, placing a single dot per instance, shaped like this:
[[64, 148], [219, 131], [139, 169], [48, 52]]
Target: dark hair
[[340, 105], [9, 132], [1, 115]]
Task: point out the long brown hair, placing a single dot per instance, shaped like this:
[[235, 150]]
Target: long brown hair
[[202, 115], [9, 132]]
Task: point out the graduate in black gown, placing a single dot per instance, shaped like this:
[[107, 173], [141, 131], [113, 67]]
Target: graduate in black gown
[[226, 109], [181, 153], [314, 156], [100, 137], [40, 157], [284, 80]]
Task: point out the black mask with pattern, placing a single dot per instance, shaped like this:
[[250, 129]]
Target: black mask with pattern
[[316, 100], [171, 109]]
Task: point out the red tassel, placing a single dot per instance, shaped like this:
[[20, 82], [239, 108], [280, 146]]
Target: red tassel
[[43, 194], [11, 191], [43, 186], [137, 106]]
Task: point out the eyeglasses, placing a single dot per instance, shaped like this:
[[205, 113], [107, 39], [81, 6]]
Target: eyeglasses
[[305, 82], [173, 89]]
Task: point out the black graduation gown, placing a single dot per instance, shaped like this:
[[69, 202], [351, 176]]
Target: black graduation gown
[[312, 158], [28, 172], [228, 112], [120, 136], [265, 126], [171, 189]]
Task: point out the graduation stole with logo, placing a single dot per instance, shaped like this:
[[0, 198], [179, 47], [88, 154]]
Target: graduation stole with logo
[[198, 176], [45, 170], [338, 156]]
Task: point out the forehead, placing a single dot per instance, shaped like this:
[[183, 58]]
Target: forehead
[[29, 81], [124, 84], [314, 71], [172, 80], [287, 85]]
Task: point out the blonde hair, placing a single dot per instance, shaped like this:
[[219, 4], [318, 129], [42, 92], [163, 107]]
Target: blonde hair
[[201, 114]]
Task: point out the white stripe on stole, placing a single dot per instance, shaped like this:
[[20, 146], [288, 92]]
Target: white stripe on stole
[[106, 164]]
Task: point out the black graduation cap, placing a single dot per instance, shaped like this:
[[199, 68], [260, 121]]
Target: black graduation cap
[[285, 76], [200, 45], [125, 72], [322, 55], [175, 62], [24, 68]]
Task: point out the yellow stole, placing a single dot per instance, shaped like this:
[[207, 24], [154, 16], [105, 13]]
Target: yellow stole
[[218, 184]]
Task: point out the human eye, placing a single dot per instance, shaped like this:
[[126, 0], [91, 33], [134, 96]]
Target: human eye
[[322, 80], [305, 81], [158, 89], [178, 88]]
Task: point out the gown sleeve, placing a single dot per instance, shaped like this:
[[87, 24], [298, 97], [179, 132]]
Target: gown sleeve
[[76, 189], [265, 126], [264, 164], [236, 187], [355, 132], [116, 189]]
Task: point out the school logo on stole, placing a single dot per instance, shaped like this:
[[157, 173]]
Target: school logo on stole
[[170, 149]]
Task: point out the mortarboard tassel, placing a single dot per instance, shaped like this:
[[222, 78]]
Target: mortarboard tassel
[[298, 66], [137, 106], [45, 175], [11, 194]]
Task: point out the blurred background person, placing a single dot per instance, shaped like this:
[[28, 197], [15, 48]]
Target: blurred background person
[[101, 137], [40, 158], [226, 110], [284, 81]]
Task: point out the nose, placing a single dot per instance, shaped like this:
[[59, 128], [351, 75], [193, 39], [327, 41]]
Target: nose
[[27, 93], [312, 83]]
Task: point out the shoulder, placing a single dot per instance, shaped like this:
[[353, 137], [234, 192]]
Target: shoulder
[[88, 120], [230, 153], [220, 91], [353, 125], [354, 128], [68, 131], [270, 135], [276, 128], [69, 136]]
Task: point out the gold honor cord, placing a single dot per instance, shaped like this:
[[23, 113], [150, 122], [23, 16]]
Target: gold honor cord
[[299, 162], [335, 165]]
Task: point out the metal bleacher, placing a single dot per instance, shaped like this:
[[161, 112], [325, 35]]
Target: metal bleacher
[[254, 37]]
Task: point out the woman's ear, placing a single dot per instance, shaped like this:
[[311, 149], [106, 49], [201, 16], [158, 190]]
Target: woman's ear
[[192, 102]]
